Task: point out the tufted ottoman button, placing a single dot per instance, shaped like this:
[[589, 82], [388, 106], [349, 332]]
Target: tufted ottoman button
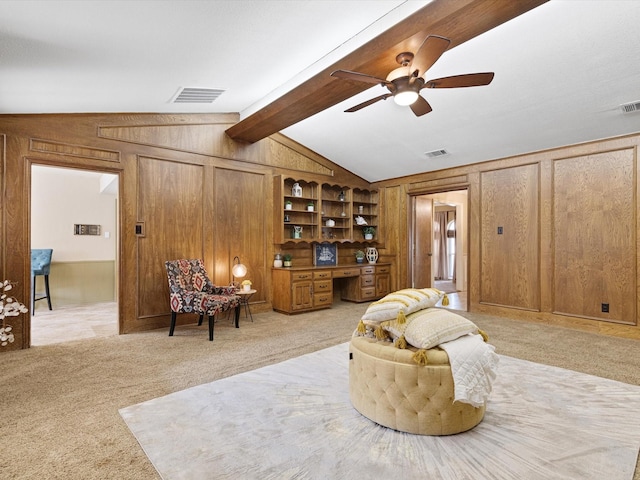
[[414, 399]]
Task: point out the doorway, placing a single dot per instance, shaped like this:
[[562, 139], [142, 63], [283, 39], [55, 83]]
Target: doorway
[[75, 213], [439, 247]]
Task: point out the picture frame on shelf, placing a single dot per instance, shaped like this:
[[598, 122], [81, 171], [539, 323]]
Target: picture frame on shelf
[[325, 254]]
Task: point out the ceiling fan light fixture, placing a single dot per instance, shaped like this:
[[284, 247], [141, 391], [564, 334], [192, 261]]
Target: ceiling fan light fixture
[[405, 98], [399, 72]]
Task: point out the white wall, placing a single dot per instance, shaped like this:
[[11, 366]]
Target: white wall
[[62, 197]]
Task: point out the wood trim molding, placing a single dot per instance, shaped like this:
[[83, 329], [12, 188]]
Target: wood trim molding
[[460, 181], [48, 146]]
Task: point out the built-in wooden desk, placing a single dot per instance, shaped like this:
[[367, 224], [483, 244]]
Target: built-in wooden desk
[[302, 289]]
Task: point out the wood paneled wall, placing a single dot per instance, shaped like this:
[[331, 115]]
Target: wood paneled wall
[[171, 207], [569, 241], [194, 191], [594, 236], [569, 215], [509, 227]]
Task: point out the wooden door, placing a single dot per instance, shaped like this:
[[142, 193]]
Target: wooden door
[[422, 240]]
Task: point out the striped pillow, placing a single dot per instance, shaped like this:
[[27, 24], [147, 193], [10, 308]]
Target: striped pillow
[[406, 301]]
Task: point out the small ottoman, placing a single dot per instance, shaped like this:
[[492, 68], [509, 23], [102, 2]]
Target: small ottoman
[[388, 387]]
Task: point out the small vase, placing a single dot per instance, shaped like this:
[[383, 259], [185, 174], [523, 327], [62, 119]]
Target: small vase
[[372, 255], [368, 236]]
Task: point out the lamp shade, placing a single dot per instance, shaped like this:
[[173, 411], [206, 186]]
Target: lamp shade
[[239, 270]]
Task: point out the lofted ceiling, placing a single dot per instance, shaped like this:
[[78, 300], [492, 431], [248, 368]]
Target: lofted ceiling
[[562, 71]]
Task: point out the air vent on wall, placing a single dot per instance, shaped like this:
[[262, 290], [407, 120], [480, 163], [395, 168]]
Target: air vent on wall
[[631, 107], [197, 95], [436, 153]]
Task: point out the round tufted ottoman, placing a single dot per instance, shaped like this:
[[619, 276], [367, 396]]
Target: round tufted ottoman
[[388, 387]]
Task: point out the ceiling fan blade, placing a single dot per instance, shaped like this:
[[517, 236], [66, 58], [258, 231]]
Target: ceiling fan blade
[[369, 102], [429, 52], [360, 77], [468, 80], [420, 107]]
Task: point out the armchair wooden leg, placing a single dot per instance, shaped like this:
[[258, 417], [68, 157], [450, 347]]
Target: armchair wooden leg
[[238, 316], [211, 318], [173, 324]]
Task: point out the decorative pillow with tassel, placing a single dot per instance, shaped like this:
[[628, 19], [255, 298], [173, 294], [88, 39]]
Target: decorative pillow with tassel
[[429, 328], [401, 303], [395, 329]]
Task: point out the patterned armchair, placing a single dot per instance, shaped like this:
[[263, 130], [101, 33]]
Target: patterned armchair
[[191, 291]]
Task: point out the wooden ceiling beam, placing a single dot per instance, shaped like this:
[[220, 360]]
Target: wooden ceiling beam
[[459, 20]]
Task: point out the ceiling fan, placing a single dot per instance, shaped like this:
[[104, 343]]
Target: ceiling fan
[[405, 82]]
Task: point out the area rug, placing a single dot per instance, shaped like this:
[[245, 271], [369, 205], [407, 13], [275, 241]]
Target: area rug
[[293, 420]]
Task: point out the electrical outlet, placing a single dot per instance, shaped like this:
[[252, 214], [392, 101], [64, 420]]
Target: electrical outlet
[[605, 308], [500, 230]]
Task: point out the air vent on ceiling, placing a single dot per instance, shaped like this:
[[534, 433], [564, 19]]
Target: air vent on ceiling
[[436, 153], [630, 107], [197, 95]]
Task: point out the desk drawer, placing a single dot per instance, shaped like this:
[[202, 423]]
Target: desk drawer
[[368, 270], [322, 299], [301, 276], [368, 293], [325, 274], [367, 280], [346, 272], [385, 269], [322, 286]]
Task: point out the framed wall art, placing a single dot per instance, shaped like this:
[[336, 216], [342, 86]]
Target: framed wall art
[[325, 254]]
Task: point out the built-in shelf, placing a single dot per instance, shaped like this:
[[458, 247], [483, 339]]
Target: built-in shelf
[[333, 219]]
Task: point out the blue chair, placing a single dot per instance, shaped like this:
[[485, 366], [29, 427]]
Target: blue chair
[[40, 265]]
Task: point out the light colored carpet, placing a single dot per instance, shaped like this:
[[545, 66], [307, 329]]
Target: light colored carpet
[[294, 420], [60, 402]]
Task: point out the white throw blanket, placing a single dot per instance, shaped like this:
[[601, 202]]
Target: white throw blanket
[[473, 365]]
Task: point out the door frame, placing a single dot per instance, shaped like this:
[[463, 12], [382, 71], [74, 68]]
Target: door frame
[[30, 162], [411, 230]]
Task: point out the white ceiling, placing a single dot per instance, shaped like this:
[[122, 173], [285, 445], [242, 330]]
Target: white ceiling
[[562, 72]]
